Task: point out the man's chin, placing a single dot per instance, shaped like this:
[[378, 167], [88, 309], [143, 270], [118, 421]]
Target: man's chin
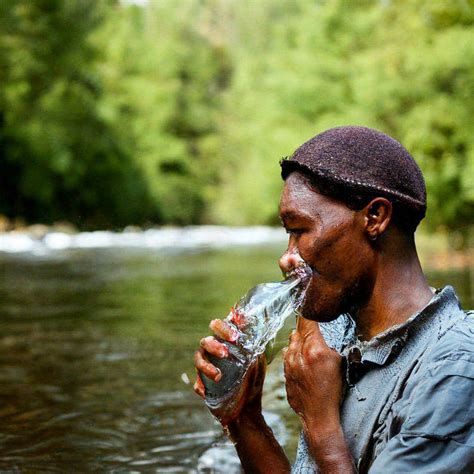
[[318, 315]]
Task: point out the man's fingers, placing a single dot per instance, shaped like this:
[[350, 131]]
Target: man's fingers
[[204, 366], [294, 347], [294, 341], [307, 328], [304, 326], [223, 330], [199, 387], [213, 346]]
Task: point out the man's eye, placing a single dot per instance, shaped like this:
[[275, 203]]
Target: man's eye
[[294, 231]]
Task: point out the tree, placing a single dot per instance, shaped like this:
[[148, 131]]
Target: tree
[[164, 75], [405, 68], [59, 158]]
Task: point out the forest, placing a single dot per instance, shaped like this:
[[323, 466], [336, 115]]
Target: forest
[[116, 113]]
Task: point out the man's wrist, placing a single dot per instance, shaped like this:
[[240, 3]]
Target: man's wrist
[[257, 447], [248, 420], [328, 447]]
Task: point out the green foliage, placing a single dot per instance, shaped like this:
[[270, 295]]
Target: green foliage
[[406, 68], [162, 79], [59, 157], [178, 112]]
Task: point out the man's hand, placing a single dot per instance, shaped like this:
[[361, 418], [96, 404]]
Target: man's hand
[[248, 397], [314, 385], [256, 446], [313, 377]]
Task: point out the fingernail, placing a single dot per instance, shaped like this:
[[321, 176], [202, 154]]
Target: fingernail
[[218, 375], [224, 352]]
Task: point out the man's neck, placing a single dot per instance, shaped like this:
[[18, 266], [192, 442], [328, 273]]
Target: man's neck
[[400, 291]]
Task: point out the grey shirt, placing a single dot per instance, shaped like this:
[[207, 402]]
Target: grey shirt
[[408, 401]]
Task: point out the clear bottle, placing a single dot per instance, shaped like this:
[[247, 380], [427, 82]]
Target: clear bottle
[[256, 318]]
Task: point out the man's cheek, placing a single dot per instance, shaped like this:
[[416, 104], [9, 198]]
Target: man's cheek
[[323, 301], [310, 303], [308, 248]]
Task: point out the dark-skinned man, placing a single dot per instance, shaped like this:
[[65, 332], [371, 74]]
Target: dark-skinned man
[[397, 395]]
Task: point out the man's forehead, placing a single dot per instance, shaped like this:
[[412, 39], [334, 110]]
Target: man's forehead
[[300, 200], [297, 201], [297, 188]]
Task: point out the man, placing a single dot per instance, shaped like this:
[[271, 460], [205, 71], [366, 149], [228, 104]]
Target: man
[[397, 398]]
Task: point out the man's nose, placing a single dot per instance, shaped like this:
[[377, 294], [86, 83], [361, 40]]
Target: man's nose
[[290, 260]]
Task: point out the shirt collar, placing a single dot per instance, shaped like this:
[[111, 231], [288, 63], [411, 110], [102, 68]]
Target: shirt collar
[[384, 347]]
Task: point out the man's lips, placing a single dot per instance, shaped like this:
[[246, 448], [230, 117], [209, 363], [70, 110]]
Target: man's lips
[[302, 271]]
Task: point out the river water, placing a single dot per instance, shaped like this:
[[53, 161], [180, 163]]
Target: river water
[[96, 349]]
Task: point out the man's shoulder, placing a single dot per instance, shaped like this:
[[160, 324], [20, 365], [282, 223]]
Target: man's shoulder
[[457, 340], [453, 348], [437, 397]]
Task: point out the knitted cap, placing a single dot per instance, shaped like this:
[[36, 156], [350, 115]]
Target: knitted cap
[[361, 159]]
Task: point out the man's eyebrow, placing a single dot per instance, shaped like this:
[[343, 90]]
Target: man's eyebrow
[[288, 215]]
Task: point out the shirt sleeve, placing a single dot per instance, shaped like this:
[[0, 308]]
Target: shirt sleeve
[[304, 463], [436, 433]]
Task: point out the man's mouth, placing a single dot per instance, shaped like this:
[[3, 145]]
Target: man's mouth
[[302, 271]]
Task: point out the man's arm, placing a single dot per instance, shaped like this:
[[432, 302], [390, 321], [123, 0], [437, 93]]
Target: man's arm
[[437, 434], [243, 421], [258, 450], [314, 390], [329, 449]]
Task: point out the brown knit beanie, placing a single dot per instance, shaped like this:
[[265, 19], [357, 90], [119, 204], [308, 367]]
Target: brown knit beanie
[[360, 160]]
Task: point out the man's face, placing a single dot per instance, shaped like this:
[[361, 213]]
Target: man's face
[[330, 238]]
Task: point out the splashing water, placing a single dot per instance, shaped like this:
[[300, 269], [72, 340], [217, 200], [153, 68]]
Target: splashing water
[[256, 319]]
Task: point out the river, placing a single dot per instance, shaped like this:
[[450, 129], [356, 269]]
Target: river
[[96, 350]]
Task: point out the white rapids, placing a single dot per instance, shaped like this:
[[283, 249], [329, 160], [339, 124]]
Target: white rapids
[[191, 237]]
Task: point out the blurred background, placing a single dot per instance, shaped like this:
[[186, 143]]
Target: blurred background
[[131, 134], [163, 112]]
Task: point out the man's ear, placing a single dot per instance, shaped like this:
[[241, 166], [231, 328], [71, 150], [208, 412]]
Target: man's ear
[[377, 216]]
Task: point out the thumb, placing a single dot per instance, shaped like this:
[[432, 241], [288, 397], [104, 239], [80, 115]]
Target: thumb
[[306, 327]]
